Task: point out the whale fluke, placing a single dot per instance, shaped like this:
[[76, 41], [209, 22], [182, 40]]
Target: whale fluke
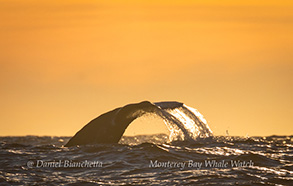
[[109, 127]]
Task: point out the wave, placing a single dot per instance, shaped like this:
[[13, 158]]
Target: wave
[[183, 122], [250, 161]]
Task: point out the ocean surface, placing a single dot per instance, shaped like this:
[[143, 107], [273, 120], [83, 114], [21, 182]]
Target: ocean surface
[[188, 155], [147, 160]]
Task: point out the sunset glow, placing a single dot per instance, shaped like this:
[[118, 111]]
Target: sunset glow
[[63, 63]]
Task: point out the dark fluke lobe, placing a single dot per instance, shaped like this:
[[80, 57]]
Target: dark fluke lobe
[[109, 127]]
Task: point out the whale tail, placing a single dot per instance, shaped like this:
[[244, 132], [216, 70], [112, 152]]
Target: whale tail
[[109, 127]]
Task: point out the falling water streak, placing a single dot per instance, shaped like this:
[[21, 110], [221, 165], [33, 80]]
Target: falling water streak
[[183, 122]]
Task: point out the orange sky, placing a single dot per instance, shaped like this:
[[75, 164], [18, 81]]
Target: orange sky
[[65, 62]]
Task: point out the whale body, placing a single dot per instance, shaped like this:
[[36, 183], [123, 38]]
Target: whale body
[[109, 127]]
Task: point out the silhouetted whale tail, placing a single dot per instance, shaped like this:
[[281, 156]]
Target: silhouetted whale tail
[[109, 127]]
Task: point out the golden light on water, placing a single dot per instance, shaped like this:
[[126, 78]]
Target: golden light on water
[[65, 63]]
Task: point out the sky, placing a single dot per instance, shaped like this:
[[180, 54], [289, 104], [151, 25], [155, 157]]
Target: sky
[[63, 63]]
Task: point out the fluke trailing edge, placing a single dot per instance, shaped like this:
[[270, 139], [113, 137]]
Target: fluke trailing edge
[[109, 127]]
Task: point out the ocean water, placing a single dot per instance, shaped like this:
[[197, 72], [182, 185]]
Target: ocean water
[[189, 155], [147, 160]]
